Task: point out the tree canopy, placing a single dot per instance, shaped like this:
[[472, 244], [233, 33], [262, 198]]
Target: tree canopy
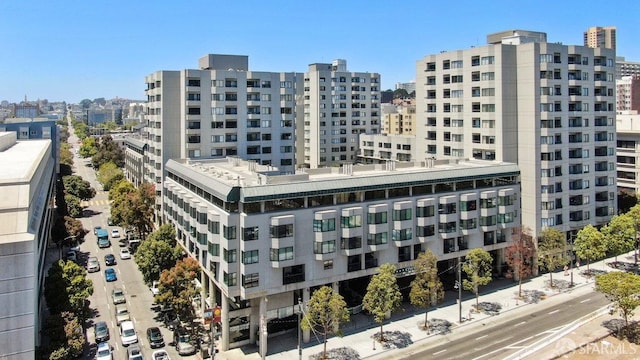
[[426, 289], [326, 310], [157, 253], [619, 234], [622, 289], [177, 289], [551, 250], [383, 294], [477, 266], [135, 209], [89, 147], [590, 244], [519, 257], [108, 151], [78, 187]]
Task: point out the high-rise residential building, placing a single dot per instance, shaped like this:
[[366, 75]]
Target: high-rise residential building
[[399, 120], [600, 37], [265, 241], [626, 68], [548, 107], [221, 109], [27, 188], [628, 151], [628, 94], [338, 106]]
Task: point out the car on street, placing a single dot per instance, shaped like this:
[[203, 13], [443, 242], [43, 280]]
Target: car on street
[[104, 351], [182, 341], [109, 259], [154, 288], [110, 222], [95, 229], [155, 337], [128, 333], [122, 314], [125, 254], [110, 275], [118, 296], [115, 233], [101, 332], [72, 256], [93, 264], [160, 355], [134, 352]]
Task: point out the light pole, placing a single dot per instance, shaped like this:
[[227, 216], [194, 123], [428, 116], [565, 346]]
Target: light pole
[[299, 329], [459, 285]]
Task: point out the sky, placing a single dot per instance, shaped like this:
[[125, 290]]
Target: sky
[[69, 50]]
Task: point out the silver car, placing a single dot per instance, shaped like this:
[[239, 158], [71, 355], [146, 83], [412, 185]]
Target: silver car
[[93, 264], [118, 296], [122, 314]]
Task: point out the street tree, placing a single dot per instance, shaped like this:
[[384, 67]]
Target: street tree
[[107, 172], [108, 151], [55, 289], [81, 130], [619, 234], [426, 289], [622, 289], [477, 266], [590, 244], [78, 288], [89, 147], [326, 310], [74, 228], [552, 247], [121, 189], [519, 256], [65, 335], [177, 289], [634, 213], [78, 187], [66, 159], [73, 205], [383, 295], [157, 253]]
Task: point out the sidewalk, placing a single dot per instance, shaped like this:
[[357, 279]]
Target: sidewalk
[[406, 334]]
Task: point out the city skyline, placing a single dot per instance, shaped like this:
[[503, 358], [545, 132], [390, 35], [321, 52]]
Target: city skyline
[[79, 51]]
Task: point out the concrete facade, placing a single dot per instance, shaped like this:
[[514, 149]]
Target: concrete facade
[[600, 37], [400, 121], [628, 151], [628, 94], [512, 100], [27, 188], [378, 149]]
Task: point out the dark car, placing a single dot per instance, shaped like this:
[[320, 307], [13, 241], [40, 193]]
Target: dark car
[[101, 331], [155, 337], [110, 259]]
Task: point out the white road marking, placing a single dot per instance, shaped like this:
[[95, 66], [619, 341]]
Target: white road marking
[[439, 352], [584, 301], [554, 311], [520, 323], [481, 337]]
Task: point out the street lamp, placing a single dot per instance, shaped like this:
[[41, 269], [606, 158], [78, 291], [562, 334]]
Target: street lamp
[[300, 329], [459, 287]]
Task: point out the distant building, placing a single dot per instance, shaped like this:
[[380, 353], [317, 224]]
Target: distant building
[[26, 110], [27, 188], [628, 151], [379, 149], [409, 86], [600, 37], [626, 68], [628, 94], [401, 121], [36, 129]]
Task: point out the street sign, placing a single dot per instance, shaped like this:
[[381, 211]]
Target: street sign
[[217, 314]]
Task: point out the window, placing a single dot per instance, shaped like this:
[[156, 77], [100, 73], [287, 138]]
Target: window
[[423, 231], [229, 232], [250, 233], [377, 218], [250, 280], [425, 211], [487, 60], [250, 257], [469, 205], [292, 274], [324, 225], [230, 279], [230, 256], [352, 221], [327, 264], [487, 203], [401, 215], [447, 208], [281, 231], [488, 76], [404, 253], [214, 227], [324, 247], [401, 235], [282, 254], [377, 239]]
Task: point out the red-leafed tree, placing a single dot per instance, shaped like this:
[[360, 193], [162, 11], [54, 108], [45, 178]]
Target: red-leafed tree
[[519, 256]]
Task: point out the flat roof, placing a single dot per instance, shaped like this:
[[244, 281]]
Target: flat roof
[[20, 161]]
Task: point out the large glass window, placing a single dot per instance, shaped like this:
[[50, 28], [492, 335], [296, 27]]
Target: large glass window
[[488, 203], [324, 225], [281, 231], [425, 211], [250, 233], [352, 221], [230, 256], [401, 235], [469, 205], [377, 218], [402, 214], [282, 254], [324, 247], [229, 232], [422, 231], [377, 239], [251, 280], [250, 257]]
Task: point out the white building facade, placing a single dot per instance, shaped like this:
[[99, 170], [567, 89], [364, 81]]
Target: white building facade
[[548, 107], [265, 240]]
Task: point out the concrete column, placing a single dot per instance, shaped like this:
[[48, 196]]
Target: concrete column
[[224, 308], [263, 327], [306, 334], [212, 292], [204, 283]]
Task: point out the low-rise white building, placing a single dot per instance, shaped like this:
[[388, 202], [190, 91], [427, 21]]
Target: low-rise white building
[[265, 239]]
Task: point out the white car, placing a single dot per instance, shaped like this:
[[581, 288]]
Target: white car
[[154, 288], [128, 333], [104, 351], [125, 254], [160, 355], [115, 233]]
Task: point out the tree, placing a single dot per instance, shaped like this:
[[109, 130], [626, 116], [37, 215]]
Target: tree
[[73, 205], [88, 148], [519, 257], [477, 266], [590, 244], [619, 234], [107, 171], [135, 209], [108, 151], [66, 338], [634, 213], [118, 191], [66, 159], [326, 310], [551, 250], [74, 228], [76, 186], [78, 288], [85, 103], [157, 253], [426, 288], [622, 289], [177, 290], [383, 295]]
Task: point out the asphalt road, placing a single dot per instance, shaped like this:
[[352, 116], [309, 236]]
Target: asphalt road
[[497, 341], [137, 293]]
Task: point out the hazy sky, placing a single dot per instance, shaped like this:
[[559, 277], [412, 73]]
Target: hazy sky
[[71, 50]]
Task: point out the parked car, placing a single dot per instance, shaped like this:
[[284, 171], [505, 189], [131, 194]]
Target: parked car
[[101, 332], [154, 288], [110, 221], [182, 340], [160, 355], [104, 351], [110, 275], [93, 264], [128, 333], [109, 259], [122, 314], [72, 256], [95, 229], [115, 233], [134, 352], [155, 337], [125, 254], [118, 296]]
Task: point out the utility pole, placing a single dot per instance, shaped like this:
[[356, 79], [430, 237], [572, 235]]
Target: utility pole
[[299, 329], [459, 290]]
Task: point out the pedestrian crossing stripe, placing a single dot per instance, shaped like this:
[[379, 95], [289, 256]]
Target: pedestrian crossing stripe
[[94, 203]]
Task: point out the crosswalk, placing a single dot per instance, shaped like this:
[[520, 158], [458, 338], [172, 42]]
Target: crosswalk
[[94, 203]]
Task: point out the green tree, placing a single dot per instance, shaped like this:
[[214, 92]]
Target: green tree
[[634, 213], [177, 289], [478, 268], [78, 187], [66, 159], [326, 310], [81, 130], [78, 288], [157, 253], [108, 151], [88, 148], [136, 209], [74, 228], [552, 250], [55, 289], [66, 338], [85, 103], [73, 205], [426, 288], [519, 257], [619, 234], [383, 295], [590, 244], [107, 171], [622, 289], [120, 190]]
